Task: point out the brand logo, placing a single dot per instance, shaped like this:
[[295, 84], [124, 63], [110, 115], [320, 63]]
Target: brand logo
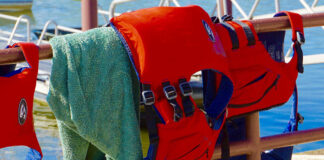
[[22, 111], [209, 31]]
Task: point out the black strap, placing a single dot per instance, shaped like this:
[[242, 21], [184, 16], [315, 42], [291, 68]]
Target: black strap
[[232, 33], [171, 95], [151, 117], [248, 32], [225, 144], [299, 51], [186, 92]]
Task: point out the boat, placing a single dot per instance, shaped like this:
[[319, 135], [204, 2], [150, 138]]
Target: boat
[[15, 5]]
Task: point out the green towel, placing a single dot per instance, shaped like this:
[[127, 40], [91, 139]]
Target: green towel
[[94, 94]]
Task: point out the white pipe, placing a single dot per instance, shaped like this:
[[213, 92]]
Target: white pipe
[[308, 8], [289, 50], [219, 10], [102, 12], [113, 5], [213, 13], [238, 7], [310, 59], [176, 3], [20, 19], [63, 28], [12, 18], [161, 3], [314, 3], [9, 33], [45, 29], [277, 4], [256, 2]]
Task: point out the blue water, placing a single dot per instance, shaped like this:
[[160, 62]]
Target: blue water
[[310, 84]]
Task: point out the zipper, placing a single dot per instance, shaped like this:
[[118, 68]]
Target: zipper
[[264, 94]]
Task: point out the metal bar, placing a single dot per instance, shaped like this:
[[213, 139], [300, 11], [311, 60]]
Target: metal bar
[[89, 14], [220, 9], [314, 3], [228, 7], [253, 135], [256, 2], [277, 4], [282, 23], [260, 25], [13, 18], [307, 7], [276, 141], [45, 29], [238, 7], [63, 28]]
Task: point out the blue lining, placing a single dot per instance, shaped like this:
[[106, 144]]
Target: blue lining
[[216, 102], [158, 113], [255, 80], [14, 72], [130, 55]]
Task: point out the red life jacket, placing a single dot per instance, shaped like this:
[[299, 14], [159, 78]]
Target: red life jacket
[[259, 81], [17, 94], [167, 45]]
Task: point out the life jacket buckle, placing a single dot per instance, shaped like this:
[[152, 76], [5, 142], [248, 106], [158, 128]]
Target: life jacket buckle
[[170, 92], [185, 88], [300, 38], [148, 97]]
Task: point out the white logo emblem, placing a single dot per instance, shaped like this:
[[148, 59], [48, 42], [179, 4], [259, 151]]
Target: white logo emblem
[[22, 111], [209, 31]]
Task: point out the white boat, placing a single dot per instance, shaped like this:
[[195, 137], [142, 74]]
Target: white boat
[[15, 5]]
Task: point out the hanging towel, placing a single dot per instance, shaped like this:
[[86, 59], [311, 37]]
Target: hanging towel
[[94, 94]]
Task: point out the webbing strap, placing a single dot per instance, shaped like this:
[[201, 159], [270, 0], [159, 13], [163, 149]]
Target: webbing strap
[[298, 38], [171, 95], [151, 122], [232, 34], [225, 148], [186, 91], [248, 32]]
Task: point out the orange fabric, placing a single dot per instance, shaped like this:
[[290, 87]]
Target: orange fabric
[[17, 91], [167, 44], [248, 63]]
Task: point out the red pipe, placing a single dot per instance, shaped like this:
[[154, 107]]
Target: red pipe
[[89, 14]]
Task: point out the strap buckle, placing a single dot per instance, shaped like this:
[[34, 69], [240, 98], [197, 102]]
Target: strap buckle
[[148, 97], [300, 38], [170, 92], [185, 88]]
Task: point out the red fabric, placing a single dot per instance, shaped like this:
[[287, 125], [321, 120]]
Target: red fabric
[[14, 90], [167, 44], [247, 63]]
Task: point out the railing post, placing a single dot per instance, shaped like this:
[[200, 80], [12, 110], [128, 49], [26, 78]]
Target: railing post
[[89, 14], [253, 135]]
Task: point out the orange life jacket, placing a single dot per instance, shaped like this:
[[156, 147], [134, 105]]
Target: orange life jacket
[[260, 82], [17, 94], [167, 45]]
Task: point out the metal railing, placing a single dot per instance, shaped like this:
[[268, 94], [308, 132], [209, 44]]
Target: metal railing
[[309, 9], [56, 30], [13, 34]]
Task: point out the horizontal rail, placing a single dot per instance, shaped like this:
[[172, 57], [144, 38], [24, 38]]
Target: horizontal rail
[[68, 29], [276, 141], [13, 18], [311, 59], [13, 55]]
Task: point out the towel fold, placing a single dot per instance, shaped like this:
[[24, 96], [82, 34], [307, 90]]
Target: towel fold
[[94, 94]]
